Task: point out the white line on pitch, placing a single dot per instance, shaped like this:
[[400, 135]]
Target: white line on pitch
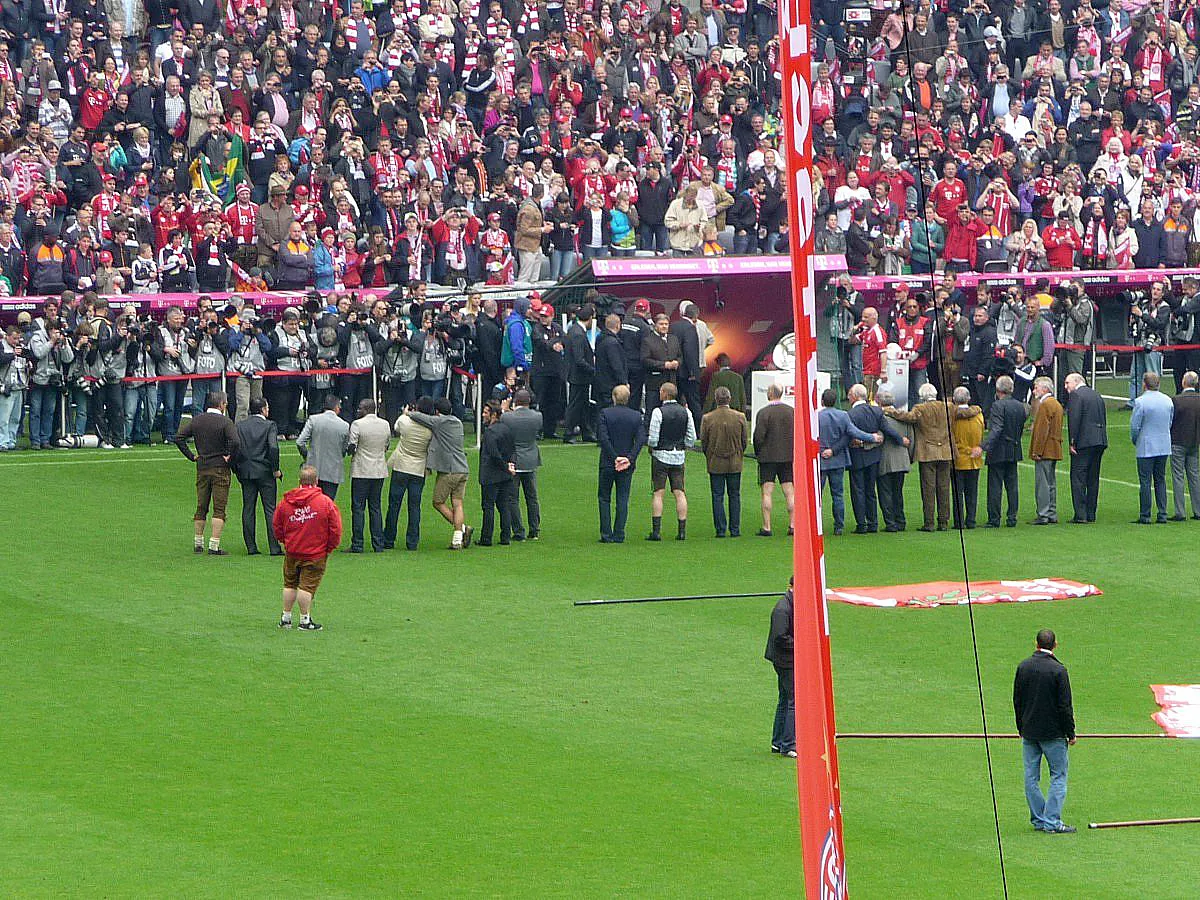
[[1066, 473]]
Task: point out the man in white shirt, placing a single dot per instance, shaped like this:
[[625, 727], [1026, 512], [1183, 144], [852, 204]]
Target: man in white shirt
[[672, 431]]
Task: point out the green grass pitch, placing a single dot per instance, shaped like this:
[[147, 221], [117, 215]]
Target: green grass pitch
[[459, 730]]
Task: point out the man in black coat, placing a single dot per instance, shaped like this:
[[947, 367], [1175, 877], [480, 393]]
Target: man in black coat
[[489, 339], [1046, 723], [687, 379], [621, 433], [549, 369], [780, 654], [1087, 432], [1151, 239], [661, 355], [634, 329], [1006, 425], [497, 466], [979, 357], [865, 459], [581, 371], [257, 470], [610, 361]]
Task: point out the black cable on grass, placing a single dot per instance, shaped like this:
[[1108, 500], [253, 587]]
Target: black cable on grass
[[939, 357]]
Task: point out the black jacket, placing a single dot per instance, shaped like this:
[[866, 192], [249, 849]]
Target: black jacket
[[1006, 425], [684, 330], [496, 451], [621, 431], [489, 336], [1042, 699], [779, 639], [981, 354], [581, 359], [634, 329], [610, 366], [258, 449], [1087, 421]]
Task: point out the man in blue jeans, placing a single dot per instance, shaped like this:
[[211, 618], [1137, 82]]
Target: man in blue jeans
[[1046, 723], [779, 653]]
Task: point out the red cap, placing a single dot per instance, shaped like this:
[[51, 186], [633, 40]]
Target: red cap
[[326, 232], [99, 145], [141, 180], [105, 258], [641, 305], [109, 176], [627, 113], [301, 191], [535, 296], [547, 310], [493, 217], [726, 120]]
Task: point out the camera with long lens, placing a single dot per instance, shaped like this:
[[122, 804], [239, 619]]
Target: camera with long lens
[[1133, 298]]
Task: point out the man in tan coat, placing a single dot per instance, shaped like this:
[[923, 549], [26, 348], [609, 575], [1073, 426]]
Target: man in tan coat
[[531, 227], [275, 218], [1045, 449], [968, 434], [934, 453], [724, 435]]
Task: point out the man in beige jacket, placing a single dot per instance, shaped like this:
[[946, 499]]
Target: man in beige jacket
[[367, 446], [685, 223], [531, 227], [407, 463]]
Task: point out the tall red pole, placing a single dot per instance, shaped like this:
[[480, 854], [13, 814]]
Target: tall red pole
[[816, 751]]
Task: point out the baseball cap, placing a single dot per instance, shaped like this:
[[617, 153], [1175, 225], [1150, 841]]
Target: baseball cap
[[535, 297], [641, 305], [627, 113], [141, 180], [109, 176], [53, 86], [99, 146], [726, 120], [546, 310], [301, 191], [106, 257]]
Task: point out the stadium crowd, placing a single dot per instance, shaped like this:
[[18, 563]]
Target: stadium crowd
[[151, 145]]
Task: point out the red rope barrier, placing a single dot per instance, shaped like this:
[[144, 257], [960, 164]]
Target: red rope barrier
[[271, 373]]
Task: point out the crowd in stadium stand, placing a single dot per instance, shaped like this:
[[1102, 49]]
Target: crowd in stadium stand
[[155, 146]]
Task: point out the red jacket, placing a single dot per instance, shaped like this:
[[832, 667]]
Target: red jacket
[[307, 523], [1061, 244]]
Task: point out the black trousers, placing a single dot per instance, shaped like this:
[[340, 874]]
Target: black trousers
[[891, 499], [526, 482], [366, 499], [689, 396], [283, 394], [966, 497], [353, 388], [1002, 479], [497, 495], [1085, 481], [548, 389], [614, 529], [396, 396], [255, 491], [328, 488], [637, 382], [862, 496], [108, 413], [578, 410]]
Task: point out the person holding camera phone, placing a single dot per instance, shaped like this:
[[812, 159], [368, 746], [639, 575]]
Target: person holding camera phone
[[14, 382], [52, 353]]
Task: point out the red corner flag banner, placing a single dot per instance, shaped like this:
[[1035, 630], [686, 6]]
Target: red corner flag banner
[[816, 752]]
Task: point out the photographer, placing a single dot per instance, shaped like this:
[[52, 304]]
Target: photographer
[[203, 347], [1076, 314], [844, 312], [291, 351], [52, 353], [106, 363], [246, 349], [141, 395], [172, 357], [433, 369], [358, 338], [14, 381], [399, 356], [1149, 318], [80, 382]]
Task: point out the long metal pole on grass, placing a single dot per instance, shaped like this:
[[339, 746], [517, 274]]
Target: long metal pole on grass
[[1141, 823], [675, 599], [976, 735]]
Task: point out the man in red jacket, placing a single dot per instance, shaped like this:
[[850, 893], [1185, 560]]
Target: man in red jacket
[[309, 526]]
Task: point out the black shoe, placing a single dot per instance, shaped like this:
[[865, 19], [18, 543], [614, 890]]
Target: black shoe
[[762, 532], [891, 529], [1039, 521], [1010, 524], [1161, 520], [1196, 517], [719, 534], [790, 531], [1077, 521], [533, 535], [199, 549], [928, 528], [254, 552], [504, 543], [654, 536], [860, 530], [942, 527], [467, 532], [352, 549], [278, 551], [735, 534], [837, 532], [310, 625], [518, 537], [218, 552], [285, 622], [1141, 522], [482, 543], [606, 540], [1177, 519]]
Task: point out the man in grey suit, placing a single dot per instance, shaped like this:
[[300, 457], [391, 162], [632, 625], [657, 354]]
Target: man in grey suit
[[1006, 426], [322, 443], [1185, 446], [1150, 431], [257, 469], [367, 443], [525, 425]]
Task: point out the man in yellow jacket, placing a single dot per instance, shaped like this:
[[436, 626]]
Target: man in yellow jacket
[[967, 428], [1045, 449]]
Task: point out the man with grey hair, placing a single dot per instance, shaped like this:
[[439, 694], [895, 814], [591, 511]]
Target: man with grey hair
[[1006, 426], [894, 464], [1185, 446], [933, 454], [1087, 431], [864, 459], [1045, 449], [1150, 431]]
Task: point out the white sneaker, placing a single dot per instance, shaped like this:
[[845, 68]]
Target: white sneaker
[[107, 446], [126, 447]]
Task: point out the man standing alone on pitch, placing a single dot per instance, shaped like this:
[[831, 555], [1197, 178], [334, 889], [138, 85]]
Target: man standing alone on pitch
[[257, 470], [1046, 723], [216, 443], [779, 653], [367, 445], [309, 525]]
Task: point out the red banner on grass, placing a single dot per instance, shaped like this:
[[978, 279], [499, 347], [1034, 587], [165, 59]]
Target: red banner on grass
[[1180, 713], [816, 752], [954, 593]]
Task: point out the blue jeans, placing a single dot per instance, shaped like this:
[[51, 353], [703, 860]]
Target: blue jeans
[[11, 409], [783, 732], [744, 242], [655, 237], [731, 483], [201, 388], [1152, 472], [404, 486], [171, 394], [614, 529], [434, 389], [1142, 363], [140, 404], [81, 399], [42, 400], [1045, 812], [593, 253], [562, 262], [837, 482]]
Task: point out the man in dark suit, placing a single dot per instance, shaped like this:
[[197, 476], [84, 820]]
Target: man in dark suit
[[611, 368], [865, 459], [688, 377], [257, 469], [497, 465], [661, 356], [525, 424], [1006, 425], [1087, 432], [1185, 446], [489, 340], [1046, 723], [581, 370], [621, 432]]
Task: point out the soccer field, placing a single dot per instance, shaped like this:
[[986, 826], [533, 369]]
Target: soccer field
[[459, 729]]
